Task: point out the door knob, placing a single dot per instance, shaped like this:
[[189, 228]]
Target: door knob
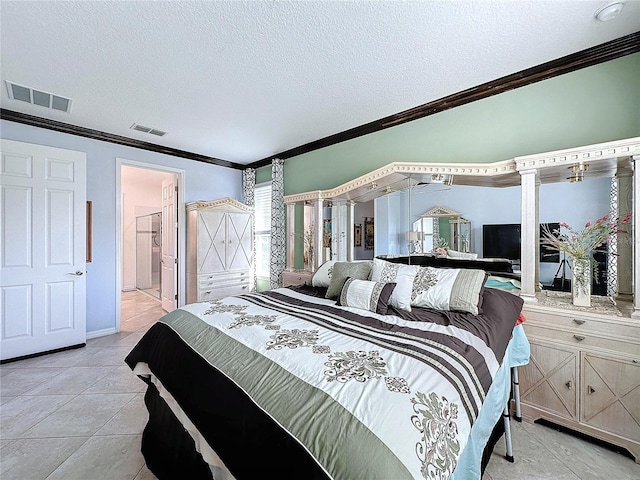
[[77, 273], [569, 384], [591, 389]]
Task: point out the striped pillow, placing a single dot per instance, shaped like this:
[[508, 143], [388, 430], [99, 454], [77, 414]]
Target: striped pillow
[[457, 289], [366, 295]]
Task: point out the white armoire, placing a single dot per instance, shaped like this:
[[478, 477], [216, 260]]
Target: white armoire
[[219, 249]]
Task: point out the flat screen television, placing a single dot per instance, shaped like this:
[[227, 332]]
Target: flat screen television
[[501, 241]]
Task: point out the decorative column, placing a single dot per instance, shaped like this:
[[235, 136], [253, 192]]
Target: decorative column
[[291, 236], [351, 213], [530, 234], [318, 227], [249, 199], [624, 244], [635, 238], [339, 226], [278, 236]]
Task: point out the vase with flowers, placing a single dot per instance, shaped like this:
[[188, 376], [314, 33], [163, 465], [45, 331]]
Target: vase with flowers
[[580, 245]]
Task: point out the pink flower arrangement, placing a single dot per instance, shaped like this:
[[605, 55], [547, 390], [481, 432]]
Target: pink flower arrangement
[[581, 244]]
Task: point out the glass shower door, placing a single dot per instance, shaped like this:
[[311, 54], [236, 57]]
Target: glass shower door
[[148, 254]]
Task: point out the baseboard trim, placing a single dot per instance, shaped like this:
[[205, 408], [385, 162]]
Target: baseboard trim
[[101, 333]]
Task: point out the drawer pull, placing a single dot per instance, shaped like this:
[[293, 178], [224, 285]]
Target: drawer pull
[[578, 321], [569, 384], [634, 360], [244, 287], [208, 292], [579, 337], [590, 389]]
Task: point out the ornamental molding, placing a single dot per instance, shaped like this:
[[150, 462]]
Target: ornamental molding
[[226, 203], [398, 171], [589, 153]]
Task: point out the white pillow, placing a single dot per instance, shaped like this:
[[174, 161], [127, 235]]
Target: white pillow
[[456, 254], [366, 295], [457, 289], [322, 276], [401, 275]]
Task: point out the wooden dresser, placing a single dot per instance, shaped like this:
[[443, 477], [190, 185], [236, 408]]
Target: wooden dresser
[[584, 371], [219, 249]]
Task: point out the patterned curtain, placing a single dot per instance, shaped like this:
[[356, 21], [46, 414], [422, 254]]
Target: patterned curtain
[[249, 198], [249, 186], [278, 232]]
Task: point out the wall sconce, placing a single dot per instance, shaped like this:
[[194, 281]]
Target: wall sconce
[[577, 172]]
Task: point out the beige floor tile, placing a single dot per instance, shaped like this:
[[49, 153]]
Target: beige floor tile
[[145, 474], [533, 461], [115, 457], [7, 368], [113, 340], [22, 413], [73, 380], [82, 416], [36, 458], [130, 420], [584, 458], [119, 380], [105, 356], [20, 380], [4, 400]]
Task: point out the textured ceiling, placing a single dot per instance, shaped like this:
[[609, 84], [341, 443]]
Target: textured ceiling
[[241, 81]]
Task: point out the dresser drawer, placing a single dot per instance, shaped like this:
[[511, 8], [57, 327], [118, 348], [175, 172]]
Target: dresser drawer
[[582, 339], [221, 292], [584, 324], [223, 278]]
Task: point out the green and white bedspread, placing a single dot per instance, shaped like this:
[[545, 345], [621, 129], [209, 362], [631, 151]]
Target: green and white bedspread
[[368, 396]]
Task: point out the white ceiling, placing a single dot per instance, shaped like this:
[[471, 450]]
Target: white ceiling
[[241, 81]]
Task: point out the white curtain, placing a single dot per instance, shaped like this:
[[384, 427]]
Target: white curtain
[[278, 231]]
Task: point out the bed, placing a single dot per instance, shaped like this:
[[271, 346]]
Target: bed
[[288, 383]]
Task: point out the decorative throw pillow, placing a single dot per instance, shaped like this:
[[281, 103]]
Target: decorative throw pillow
[[322, 276], [366, 295], [343, 270], [456, 289], [402, 275]]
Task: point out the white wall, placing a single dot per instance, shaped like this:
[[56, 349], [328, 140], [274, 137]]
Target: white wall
[[202, 182], [573, 203]]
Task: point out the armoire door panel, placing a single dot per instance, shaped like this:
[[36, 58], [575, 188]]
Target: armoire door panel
[[211, 241], [240, 233]]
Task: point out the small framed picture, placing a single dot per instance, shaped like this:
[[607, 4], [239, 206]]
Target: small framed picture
[[357, 235]]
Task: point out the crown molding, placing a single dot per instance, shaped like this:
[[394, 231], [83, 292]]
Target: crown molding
[[54, 125]]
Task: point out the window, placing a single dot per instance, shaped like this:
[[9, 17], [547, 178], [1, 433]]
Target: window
[[263, 230]]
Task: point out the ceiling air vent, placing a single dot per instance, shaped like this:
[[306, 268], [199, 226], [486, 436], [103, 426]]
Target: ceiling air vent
[[152, 131], [38, 97]]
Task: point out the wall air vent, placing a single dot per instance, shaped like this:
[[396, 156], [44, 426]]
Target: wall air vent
[[152, 131], [38, 97]]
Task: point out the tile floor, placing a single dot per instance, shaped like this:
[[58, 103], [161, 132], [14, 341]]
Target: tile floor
[[79, 414]]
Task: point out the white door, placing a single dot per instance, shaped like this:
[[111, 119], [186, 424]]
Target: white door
[[168, 274], [42, 248]]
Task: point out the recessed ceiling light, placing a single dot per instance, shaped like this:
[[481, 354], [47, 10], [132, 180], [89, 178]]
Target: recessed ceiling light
[[609, 11]]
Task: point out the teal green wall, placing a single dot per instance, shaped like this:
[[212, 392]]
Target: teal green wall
[[592, 105]]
